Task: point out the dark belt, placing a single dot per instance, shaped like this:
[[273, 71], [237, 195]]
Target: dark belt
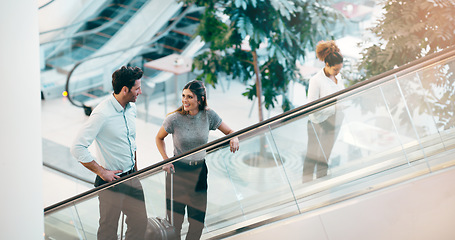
[[192, 163], [126, 173]]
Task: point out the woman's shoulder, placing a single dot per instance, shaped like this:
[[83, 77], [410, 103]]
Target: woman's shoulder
[[210, 111], [319, 74], [172, 116], [317, 78]]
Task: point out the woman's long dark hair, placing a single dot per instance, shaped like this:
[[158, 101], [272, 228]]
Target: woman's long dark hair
[[198, 89]]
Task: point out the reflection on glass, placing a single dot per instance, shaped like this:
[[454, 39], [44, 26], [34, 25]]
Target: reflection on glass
[[253, 181], [186, 191], [124, 198], [322, 130], [63, 219]]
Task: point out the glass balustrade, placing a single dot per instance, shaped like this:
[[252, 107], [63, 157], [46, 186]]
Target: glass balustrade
[[368, 137]]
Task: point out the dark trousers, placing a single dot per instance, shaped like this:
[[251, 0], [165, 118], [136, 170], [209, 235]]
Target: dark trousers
[[127, 197], [190, 192], [321, 138]]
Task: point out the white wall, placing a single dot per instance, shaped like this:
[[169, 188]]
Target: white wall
[[420, 209], [21, 204], [59, 13]]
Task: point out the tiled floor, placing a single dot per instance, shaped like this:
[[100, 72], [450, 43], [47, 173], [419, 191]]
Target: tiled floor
[[61, 121]]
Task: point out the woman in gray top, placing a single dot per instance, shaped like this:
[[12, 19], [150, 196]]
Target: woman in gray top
[[190, 125]]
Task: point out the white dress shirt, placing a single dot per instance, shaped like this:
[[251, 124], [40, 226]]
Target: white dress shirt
[[113, 128], [321, 86]]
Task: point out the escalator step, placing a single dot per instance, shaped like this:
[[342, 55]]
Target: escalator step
[[60, 61], [196, 15], [85, 46], [109, 12], [188, 30], [188, 21], [112, 30], [96, 41], [178, 36], [172, 48], [90, 95], [126, 17], [79, 53], [103, 35], [192, 18], [113, 11], [174, 42], [153, 56], [95, 23]]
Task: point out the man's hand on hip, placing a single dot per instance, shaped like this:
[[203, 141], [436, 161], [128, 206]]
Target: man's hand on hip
[[109, 176]]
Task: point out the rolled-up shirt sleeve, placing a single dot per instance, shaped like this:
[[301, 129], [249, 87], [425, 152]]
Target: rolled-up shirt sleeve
[[86, 136]]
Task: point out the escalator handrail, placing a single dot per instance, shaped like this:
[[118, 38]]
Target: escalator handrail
[[223, 141], [149, 42], [46, 4]]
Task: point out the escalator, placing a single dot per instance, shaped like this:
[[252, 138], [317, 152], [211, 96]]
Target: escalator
[[89, 81], [94, 33], [88, 85], [115, 24], [175, 41], [397, 126]]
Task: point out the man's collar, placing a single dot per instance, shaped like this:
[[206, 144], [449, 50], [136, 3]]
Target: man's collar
[[117, 106]]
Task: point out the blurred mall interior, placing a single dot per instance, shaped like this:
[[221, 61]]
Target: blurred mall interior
[[387, 172]]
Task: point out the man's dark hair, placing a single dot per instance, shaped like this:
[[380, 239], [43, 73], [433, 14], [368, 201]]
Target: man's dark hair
[[125, 76]]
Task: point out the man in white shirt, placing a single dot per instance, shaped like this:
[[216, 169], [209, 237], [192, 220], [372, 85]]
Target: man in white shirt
[[112, 126]]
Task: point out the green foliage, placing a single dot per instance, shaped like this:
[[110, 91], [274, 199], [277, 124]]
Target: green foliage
[[409, 30], [279, 31], [275, 79], [439, 97]]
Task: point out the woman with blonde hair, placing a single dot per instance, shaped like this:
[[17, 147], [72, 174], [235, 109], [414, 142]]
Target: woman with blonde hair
[[322, 125]]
